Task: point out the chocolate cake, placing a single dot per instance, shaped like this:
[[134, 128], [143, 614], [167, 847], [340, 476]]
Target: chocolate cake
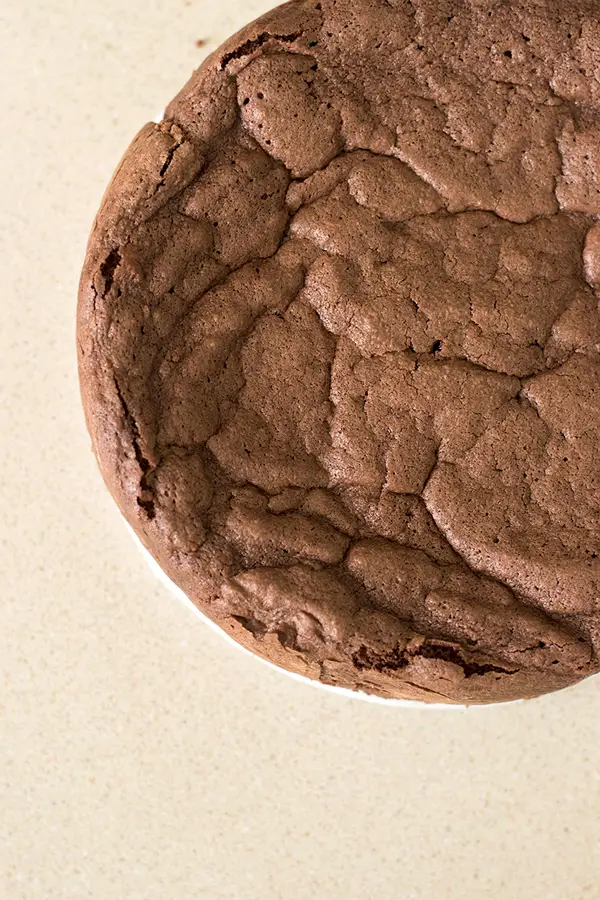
[[339, 343]]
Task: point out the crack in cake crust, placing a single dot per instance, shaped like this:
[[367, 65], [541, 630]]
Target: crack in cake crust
[[345, 388]]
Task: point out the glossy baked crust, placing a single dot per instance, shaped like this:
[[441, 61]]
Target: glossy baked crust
[[338, 342]]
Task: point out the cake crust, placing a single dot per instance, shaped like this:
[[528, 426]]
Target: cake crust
[[339, 339]]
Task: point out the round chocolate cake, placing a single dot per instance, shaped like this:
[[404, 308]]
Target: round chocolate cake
[[339, 343]]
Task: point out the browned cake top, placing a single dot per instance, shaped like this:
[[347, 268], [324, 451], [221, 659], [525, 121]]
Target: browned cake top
[[339, 343]]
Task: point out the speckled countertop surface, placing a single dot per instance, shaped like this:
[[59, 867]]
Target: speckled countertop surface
[[141, 756]]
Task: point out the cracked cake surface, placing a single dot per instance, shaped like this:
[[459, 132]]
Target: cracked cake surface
[[339, 343]]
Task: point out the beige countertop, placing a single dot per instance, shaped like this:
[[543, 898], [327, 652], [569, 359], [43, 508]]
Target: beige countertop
[[141, 756]]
